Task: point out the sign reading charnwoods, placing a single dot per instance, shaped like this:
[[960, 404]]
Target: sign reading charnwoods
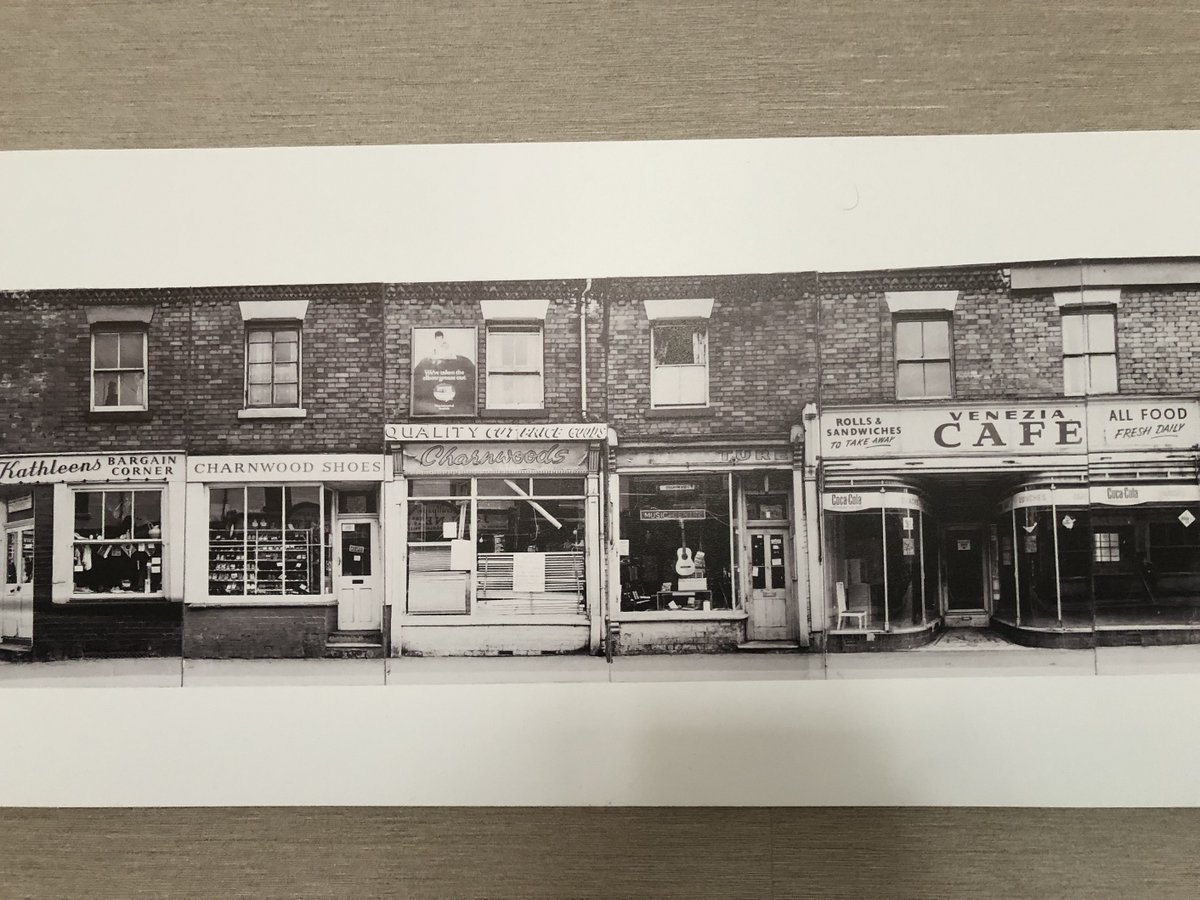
[[97, 467], [583, 431], [507, 459], [1010, 428], [300, 467]]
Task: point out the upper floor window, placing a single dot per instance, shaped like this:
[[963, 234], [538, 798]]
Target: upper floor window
[[273, 365], [679, 370], [118, 368], [1089, 351], [923, 358], [515, 366]]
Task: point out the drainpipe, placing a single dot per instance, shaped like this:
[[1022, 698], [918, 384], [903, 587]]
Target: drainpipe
[[583, 359]]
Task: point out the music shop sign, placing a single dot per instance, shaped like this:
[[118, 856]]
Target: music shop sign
[[1037, 428]]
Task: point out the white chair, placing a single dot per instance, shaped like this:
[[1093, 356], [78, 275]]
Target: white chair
[[844, 612]]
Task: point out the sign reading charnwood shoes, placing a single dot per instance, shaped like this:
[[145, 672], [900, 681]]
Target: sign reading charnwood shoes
[[81, 467], [1010, 428]]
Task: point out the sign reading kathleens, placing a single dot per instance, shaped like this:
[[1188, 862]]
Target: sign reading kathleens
[[450, 458], [95, 467], [418, 431], [1037, 428]]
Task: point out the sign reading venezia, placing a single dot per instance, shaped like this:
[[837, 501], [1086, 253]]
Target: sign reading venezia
[[1033, 428]]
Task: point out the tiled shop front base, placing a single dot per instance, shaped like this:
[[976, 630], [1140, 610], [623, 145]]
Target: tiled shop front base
[[712, 636], [492, 640], [879, 641]]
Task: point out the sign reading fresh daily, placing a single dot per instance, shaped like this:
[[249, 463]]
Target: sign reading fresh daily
[[90, 467], [1010, 429]]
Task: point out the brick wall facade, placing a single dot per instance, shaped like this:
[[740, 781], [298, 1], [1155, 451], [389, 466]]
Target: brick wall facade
[[341, 374], [762, 354], [267, 632], [457, 305], [45, 374], [1156, 331]]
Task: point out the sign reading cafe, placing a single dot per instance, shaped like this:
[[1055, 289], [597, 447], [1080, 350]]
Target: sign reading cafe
[[1011, 428]]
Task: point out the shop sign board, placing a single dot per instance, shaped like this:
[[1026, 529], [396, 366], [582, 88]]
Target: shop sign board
[[1143, 425], [672, 515], [1036, 428], [857, 501], [465, 459], [943, 430], [705, 458], [93, 467], [1137, 494], [483, 431], [287, 467]]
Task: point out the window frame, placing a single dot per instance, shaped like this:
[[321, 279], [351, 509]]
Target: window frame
[[1083, 310], [119, 328], [897, 361], [160, 540], [532, 326], [274, 326], [695, 322]]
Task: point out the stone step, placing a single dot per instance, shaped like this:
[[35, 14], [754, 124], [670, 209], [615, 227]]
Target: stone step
[[769, 646]]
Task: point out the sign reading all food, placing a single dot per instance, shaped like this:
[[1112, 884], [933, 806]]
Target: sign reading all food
[[91, 467], [1010, 429]]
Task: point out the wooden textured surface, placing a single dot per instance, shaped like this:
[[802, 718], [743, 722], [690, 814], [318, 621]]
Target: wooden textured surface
[[173, 73]]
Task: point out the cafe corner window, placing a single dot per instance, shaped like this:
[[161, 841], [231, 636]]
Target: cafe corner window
[[679, 364], [273, 365], [269, 541], [118, 544], [118, 368], [515, 366], [923, 357], [1089, 337]]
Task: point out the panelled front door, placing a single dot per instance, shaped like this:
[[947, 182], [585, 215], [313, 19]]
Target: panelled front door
[[357, 575], [770, 586], [966, 575], [16, 593]]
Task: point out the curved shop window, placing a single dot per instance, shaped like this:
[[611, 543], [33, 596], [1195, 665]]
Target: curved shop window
[[1145, 551], [680, 534], [881, 560], [1044, 558]]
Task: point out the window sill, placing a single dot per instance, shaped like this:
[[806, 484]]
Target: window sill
[[273, 412], [538, 413], [419, 620], [681, 412], [284, 600], [684, 615], [119, 415], [109, 599]]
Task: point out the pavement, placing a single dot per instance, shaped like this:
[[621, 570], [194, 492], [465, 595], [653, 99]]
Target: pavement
[[935, 661]]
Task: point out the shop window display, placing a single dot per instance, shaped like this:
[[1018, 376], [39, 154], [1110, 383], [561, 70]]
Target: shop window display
[[679, 529], [269, 541], [117, 544]]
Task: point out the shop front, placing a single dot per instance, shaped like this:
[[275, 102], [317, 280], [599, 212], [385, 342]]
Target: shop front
[[284, 556], [1055, 524], [708, 557], [93, 555], [498, 544]]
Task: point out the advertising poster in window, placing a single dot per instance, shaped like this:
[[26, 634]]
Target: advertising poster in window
[[444, 371]]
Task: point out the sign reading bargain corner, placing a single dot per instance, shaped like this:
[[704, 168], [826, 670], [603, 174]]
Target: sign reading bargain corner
[[1036, 428]]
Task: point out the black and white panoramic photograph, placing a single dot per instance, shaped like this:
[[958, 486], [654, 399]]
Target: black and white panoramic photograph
[[850, 464]]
